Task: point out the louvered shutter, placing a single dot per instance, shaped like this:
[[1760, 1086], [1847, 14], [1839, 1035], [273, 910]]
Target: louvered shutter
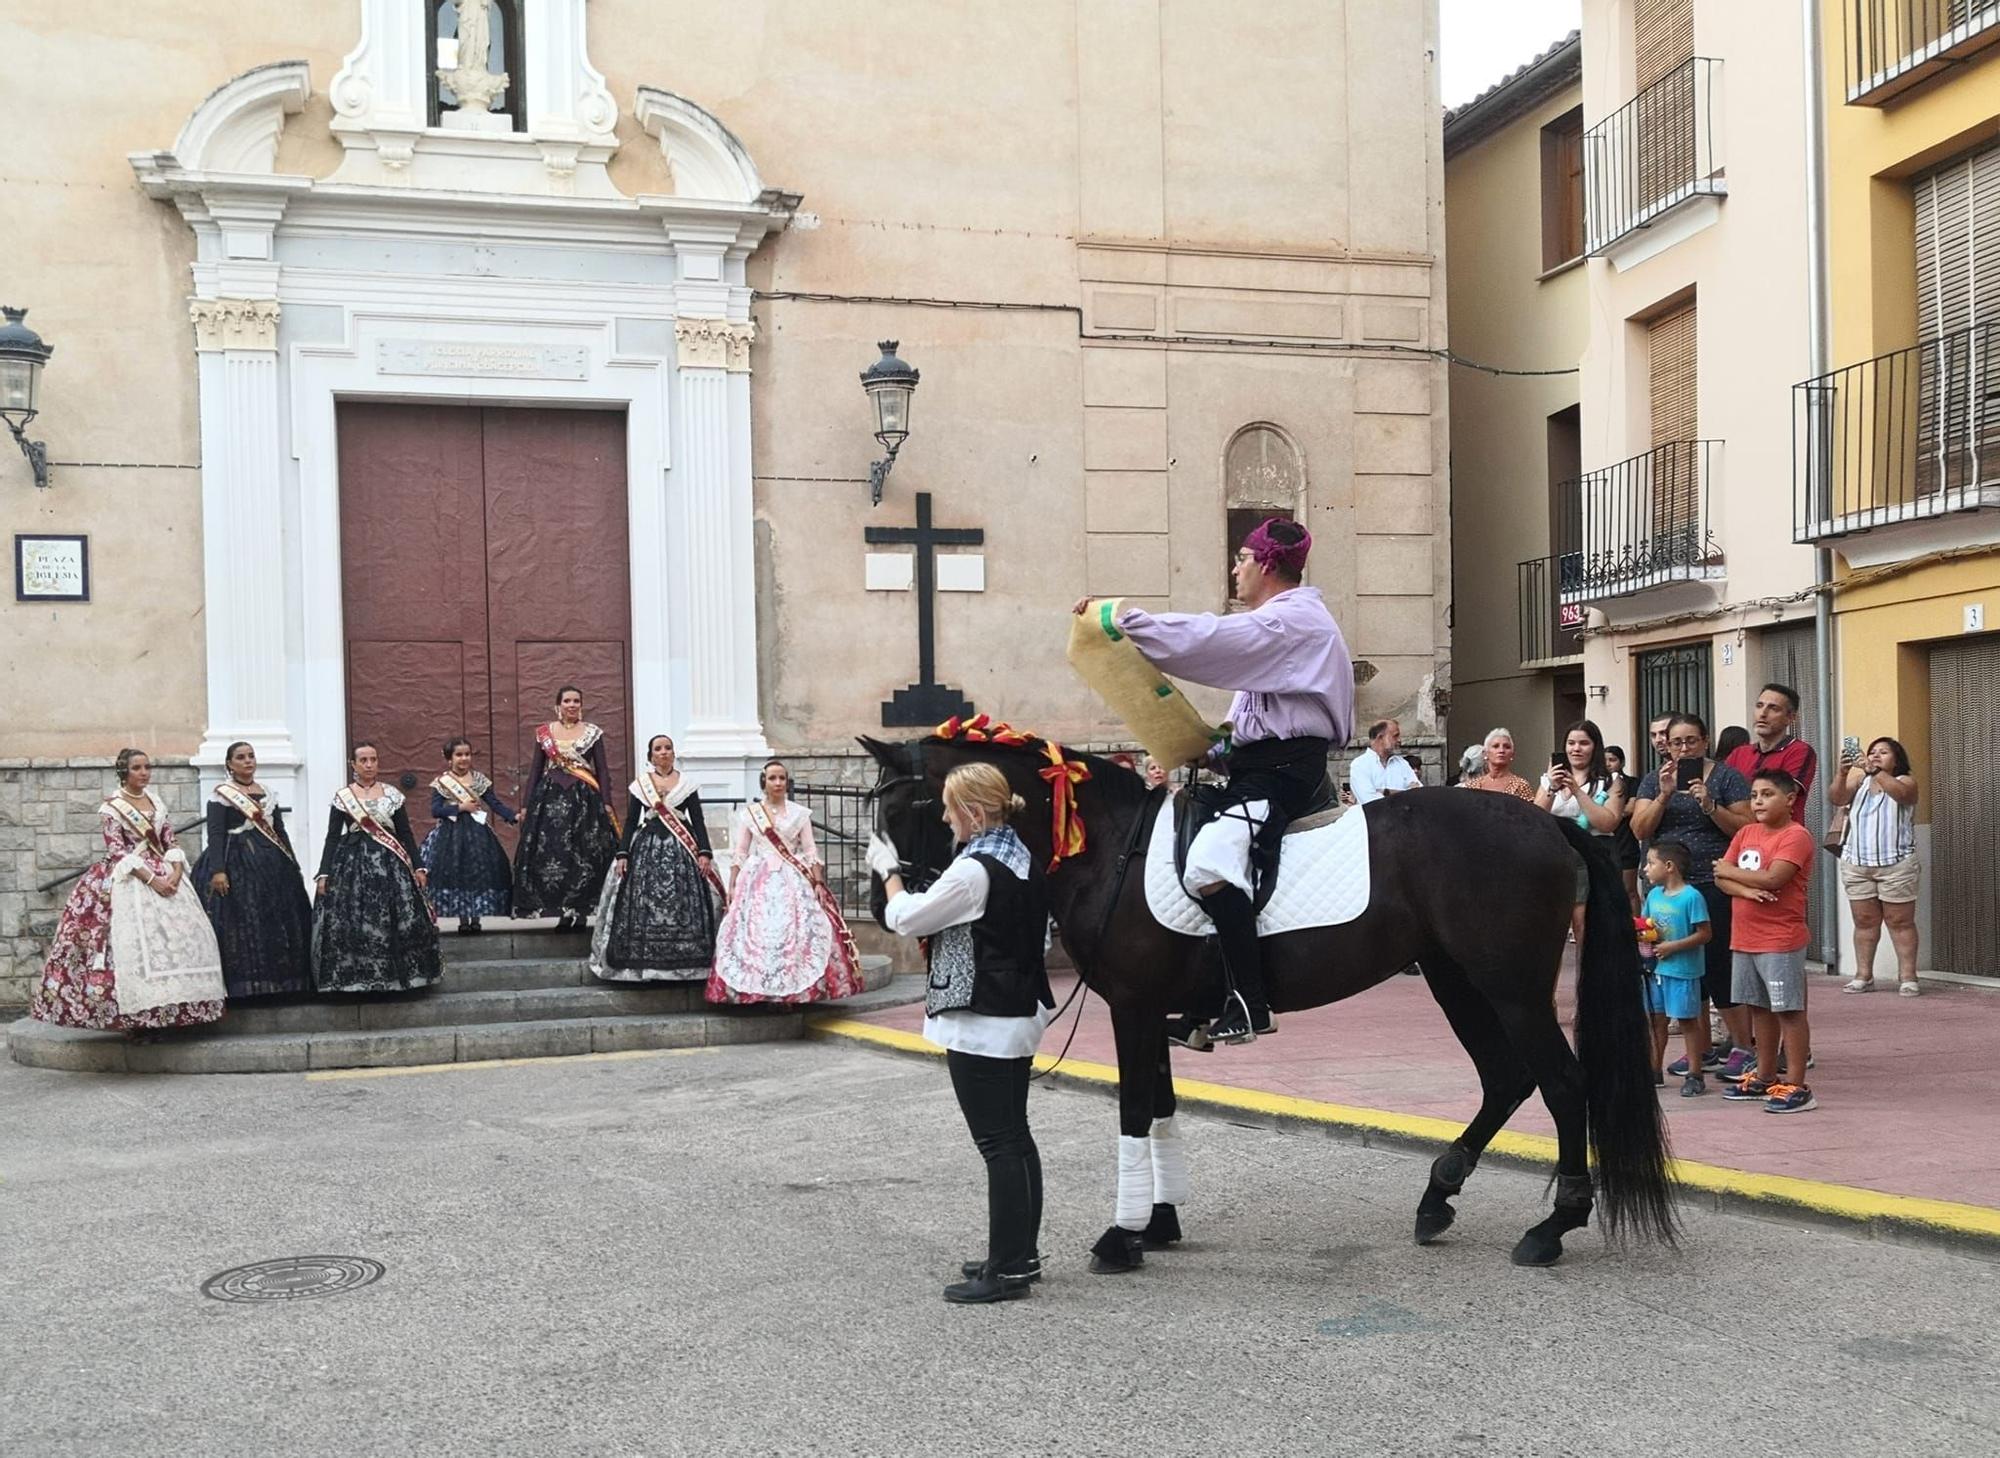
[[1676, 424], [1964, 801], [1662, 37], [1957, 216]]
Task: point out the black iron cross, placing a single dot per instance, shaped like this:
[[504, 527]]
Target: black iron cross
[[926, 702]]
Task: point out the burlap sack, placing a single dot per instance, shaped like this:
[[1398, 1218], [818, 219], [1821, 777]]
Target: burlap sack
[[1158, 714]]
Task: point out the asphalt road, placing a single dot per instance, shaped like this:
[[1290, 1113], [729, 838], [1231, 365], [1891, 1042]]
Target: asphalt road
[[740, 1251]]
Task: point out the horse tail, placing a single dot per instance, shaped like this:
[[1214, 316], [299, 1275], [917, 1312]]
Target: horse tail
[[1614, 1043]]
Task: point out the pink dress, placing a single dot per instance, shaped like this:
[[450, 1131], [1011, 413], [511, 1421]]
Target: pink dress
[[783, 938], [124, 956]]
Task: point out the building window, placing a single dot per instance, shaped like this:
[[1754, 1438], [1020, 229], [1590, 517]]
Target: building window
[[1562, 190], [477, 65], [1674, 680], [1263, 476], [1957, 213]]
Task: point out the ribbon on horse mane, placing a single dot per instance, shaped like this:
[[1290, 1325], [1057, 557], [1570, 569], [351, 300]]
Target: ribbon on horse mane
[[1062, 775]]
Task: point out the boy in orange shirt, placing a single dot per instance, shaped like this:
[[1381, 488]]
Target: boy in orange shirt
[[1765, 869]]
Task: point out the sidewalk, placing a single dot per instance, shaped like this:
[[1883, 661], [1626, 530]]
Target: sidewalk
[[1908, 1088]]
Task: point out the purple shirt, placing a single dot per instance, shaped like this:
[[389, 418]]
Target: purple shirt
[[1286, 660]]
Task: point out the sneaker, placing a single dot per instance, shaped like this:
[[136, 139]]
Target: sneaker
[[1712, 1061], [1790, 1098], [1693, 1086], [1240, 1024], [1739, 1066], [1190, 1033], [1748, 1087], [1860, 984]]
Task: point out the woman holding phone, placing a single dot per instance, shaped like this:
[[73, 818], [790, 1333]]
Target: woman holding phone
[[1878, 856], [1701, 803], [1580, 787]]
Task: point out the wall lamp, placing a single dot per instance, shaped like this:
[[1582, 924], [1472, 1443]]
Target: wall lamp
[[890, 383], [22, 355]]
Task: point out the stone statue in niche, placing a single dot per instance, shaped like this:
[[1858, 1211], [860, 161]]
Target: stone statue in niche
[[470, 78]]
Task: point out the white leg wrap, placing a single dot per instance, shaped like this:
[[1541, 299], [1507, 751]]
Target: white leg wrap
[[1135, 1183], [1170, 1176]]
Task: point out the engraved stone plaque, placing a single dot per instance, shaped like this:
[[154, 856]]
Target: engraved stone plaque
[[482, 358]]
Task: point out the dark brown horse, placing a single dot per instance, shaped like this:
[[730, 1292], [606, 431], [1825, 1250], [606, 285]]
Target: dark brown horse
[[1475, 888]]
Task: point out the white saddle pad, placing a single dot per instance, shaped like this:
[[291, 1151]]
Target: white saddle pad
[[1322, 879]]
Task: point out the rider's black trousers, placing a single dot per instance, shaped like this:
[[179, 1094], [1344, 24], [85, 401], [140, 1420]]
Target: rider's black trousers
[[993, 1096], [1235, 918]]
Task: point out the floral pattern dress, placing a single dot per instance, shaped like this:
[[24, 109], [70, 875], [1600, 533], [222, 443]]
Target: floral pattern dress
[[783, 938], [125, 957]]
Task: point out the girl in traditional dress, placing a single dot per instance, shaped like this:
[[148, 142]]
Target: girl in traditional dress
[[568, 833], [469, 874], [373, 929], [783, 938], [133, 948], [657, 918], [250, 882]]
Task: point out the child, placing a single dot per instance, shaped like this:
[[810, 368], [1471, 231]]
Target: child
[[470, 875], [1674, 990], [1765, 869]]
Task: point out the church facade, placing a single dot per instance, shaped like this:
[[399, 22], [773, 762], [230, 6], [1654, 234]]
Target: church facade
[[416, 358]]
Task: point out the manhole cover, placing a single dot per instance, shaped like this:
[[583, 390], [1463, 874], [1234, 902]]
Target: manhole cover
[[293, 1278]]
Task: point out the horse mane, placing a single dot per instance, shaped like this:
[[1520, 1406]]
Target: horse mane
[[1120, 784]]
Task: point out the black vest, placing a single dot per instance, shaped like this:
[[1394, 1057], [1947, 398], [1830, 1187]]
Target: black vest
[[1010, 976]]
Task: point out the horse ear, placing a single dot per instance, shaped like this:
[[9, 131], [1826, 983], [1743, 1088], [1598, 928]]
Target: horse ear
[[883, 754]]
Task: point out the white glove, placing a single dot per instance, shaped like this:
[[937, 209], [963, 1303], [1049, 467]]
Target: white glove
[[882, 857]]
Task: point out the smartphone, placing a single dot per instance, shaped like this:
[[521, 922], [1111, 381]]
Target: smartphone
[[1686, 772], [1556, 759], [1850, 746]]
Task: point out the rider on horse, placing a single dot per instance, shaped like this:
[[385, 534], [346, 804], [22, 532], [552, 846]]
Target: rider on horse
[[1294, 685]]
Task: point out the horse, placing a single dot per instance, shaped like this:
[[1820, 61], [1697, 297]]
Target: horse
[[1475, 889]]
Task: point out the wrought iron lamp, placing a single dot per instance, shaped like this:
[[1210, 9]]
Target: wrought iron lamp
[[890, 383], [22, 355]]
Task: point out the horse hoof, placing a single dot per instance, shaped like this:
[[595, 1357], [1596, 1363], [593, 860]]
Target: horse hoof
[[1433, 1223], [1164, 1228], [1538, 1249], [1117, 1251]]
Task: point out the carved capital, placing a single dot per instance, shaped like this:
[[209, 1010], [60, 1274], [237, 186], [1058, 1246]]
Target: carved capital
[[234, 324], [714, 344]]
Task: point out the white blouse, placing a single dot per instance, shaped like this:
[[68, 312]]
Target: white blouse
[[956, 897]]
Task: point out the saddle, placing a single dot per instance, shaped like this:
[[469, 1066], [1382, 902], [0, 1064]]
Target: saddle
[[1198, 804]]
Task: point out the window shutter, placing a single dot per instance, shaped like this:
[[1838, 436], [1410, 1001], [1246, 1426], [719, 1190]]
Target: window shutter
[[1958, 244], [1675, 464], [1662, 37]]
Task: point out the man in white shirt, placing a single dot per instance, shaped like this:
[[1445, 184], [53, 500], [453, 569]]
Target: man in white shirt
[[1378, 770]]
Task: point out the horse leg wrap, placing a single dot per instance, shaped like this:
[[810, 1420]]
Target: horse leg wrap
[[1573, 1192], [1450, 1170], [1135, 1183], [1170, 1175]]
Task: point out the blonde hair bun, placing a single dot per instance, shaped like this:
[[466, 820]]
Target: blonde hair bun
[[983, 788]]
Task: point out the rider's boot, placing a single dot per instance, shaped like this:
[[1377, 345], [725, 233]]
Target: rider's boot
[[1247, 1011]]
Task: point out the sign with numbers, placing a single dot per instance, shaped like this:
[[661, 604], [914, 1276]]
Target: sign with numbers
[[51, 568]]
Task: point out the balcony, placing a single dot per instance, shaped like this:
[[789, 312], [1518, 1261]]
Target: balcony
[[1909, 437], [1645, 527], [1550, 636], [1654, 156], [1893, 45]]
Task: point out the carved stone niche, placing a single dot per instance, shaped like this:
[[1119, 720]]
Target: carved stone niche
[[381, 105]]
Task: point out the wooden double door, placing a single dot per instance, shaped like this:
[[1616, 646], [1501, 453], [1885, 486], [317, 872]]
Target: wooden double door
[[484, 565]]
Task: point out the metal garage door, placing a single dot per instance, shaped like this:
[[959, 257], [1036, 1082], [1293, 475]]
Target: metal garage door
[[1964, 796]]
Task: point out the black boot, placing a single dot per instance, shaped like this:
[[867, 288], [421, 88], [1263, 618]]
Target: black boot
[[983, 1288], [1247, 1012], [1029, 1273], [471, 928]]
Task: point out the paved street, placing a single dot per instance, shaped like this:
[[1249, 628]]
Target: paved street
[[739, 1251]]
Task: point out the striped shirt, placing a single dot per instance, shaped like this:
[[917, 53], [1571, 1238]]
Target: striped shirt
[[1881, 830]]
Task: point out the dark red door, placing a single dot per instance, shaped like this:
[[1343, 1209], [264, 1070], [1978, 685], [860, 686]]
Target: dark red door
[[484, 565]]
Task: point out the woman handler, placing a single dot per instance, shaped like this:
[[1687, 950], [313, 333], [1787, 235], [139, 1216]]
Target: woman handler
[[987, 919]]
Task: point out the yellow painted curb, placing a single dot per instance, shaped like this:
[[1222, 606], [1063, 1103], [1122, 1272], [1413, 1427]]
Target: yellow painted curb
[[623, 1055], [1846, 1202]]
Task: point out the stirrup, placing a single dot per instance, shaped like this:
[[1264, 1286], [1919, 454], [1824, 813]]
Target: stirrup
[[1225, 1029]]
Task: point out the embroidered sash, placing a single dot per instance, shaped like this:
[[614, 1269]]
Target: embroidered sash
[[140, 825], [252, 810], [761, 819], [459, 792], [669, 815], [569, 758], [363, 815]]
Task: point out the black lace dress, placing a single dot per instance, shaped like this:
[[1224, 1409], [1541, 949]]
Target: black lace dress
[[469, 874], [656, 921], [372, 927], [264, 922], [567, 834]]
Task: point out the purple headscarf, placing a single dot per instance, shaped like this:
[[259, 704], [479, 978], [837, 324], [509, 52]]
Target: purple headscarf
[[1269, 552]]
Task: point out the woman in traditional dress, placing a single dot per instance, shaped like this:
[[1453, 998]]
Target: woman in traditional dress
[[133, 948], [568, 833], [783, 938], [373, 929], [656, 921], [250, 881], [469, 874]]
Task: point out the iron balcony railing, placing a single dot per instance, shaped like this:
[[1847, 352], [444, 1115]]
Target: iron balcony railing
[[1549, 626], [1642, 523], [1892, 45], [1654, 153], [1902, 437]]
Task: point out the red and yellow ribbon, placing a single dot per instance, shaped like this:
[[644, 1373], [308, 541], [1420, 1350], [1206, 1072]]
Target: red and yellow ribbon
[[1062, 774]]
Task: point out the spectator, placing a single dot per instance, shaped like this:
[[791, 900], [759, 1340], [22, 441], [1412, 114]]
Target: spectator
[[1471, 765], [1581, 789], [1656, 734], [1775, 744], [1680, 916], [1701, 804], [1378, 770], [1729, 741], [1499, 774], [1764, 869], [1155, 773], [1878, 858], [1624, 844]]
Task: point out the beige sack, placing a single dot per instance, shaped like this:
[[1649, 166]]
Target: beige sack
[[1158, 714]]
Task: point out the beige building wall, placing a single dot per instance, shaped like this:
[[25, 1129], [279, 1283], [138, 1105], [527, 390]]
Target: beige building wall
[[1504, 311], [1743, 259]]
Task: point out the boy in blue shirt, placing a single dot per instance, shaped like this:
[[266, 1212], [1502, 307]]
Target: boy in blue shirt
[[1674, 989]]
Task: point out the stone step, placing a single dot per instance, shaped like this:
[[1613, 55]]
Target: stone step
[[500, 943]]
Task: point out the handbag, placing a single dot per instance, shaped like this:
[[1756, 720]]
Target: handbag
[[1835, 838]]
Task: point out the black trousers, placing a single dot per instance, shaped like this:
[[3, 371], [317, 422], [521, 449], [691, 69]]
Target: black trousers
[[993, 1096]]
